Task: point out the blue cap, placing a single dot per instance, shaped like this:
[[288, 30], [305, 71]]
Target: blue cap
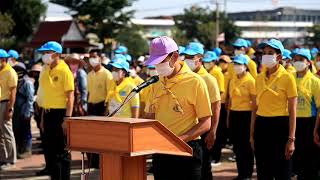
[[120, 61], [3, 54], [210, 56], [217, 50], [194, 48], [314, 52], [275, 44], [13, 54], [249, 44], [128, 57], [286, 54], [181, 49], [151, 67], [241, 59], [121, 50], [51, 46], [240, 43], [304, 53]]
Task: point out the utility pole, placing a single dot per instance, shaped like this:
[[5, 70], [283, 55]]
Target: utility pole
[[225, 8], [217, 23]]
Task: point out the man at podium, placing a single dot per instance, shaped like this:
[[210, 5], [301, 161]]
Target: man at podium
[[180, 101]]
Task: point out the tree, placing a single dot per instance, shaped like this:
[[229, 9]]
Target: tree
[[314, 36], [6, 24], [197, 23], [25, 14]]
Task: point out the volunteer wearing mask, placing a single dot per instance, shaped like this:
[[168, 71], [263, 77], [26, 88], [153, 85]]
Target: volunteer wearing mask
[[286, 61], [180, 101], [273, 129], [209, 63], [317, 64], [99, 82], [307, 112], [242, 94], [121, 89], [19, 67], [193, 58], [57, 86], [8, 88]]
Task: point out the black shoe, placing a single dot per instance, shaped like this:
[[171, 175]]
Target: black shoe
[[43, 172]]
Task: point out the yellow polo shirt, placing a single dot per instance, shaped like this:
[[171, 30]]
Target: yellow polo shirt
[[98, 85], [137, 80], [308, 95], [8, 80], [224, 95], [117, 95], [291, 69], [54, 84], [273, 93], [178, 102], [216, 72], [240, 92], [252, 67], [212, 84]]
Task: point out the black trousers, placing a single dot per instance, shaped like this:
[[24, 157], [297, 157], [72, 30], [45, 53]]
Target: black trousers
[[206, 173], [240, 134], [304, 161], [168, 167], [55, 141], [97, 109], [270, 137], [221, 136]]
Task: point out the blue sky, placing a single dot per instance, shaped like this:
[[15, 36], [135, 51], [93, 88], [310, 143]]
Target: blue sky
[[145, 8]]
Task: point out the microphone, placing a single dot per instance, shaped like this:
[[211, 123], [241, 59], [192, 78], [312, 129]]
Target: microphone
[[152, 80]]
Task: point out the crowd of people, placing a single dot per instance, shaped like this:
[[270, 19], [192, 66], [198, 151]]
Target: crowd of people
[[262, 101]]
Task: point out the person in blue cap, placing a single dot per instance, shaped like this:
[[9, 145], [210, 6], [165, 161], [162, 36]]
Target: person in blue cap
[[121, 50], [19, 67], [308, 85], [218, 51], [193, 58], [8, 87], [57, 96], [121, 89], [274, 116], [241, 95], [286, 61]]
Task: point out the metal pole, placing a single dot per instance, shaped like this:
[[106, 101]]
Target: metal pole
[[217, 23], [83, 174]]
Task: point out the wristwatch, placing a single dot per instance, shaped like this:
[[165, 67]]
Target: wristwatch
[[291, 139], [10, 109]]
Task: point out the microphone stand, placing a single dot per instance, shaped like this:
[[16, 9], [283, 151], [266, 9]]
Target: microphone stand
[[126, 100]]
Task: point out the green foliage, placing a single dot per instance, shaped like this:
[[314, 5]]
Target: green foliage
[[6, 24], [315, 38]]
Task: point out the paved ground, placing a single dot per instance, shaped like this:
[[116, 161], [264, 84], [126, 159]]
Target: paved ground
[[25, 169]]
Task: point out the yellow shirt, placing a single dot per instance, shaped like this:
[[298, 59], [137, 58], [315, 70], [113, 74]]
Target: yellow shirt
[[240, 92], [145, 93], [212, 84], [117, 95], [217, 73], [8, 80], [137, 80], [308, 95], [224, 95], [98, 85], [252, 66], [178, 102], [273, 93], [291, 69], [54, 84]]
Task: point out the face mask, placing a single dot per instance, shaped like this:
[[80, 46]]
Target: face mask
[[10, 62], [207, 66], [300, 66], [94, 62], [269, 60], [133, 72], [318, 64], [164, 69], [153, 72], [238, 52], [116, 75], [47, 59], [239, 68], [191, 63]]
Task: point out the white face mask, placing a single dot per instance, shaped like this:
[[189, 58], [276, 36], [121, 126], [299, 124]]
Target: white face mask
[[269, 60], [94, 62], [300, 66], [239, 68], [47, 59], [207, 66], [238, 52], [10, 62], [191, 63], [164, 69], [133, 72], [318, 64], [116, 75]]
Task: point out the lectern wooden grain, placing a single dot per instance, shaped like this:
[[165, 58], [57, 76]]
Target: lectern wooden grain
[[123, 143]]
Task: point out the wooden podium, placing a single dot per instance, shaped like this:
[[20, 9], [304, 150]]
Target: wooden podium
[[123, 143]]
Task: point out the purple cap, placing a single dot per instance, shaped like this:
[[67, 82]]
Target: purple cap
[[160, 48]]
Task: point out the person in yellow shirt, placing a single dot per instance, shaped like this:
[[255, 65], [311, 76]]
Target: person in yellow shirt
[[317, 64], [193, 58], [286, 61], [8, 87], [180, 101], [57, 85], [209, 62], [121, 89], [307, 113], [273, 121], [242, 94]]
